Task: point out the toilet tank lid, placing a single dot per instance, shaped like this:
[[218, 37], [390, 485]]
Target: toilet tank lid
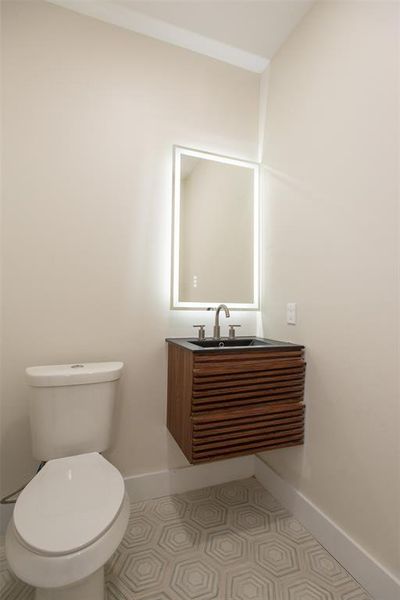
[[73, 374]]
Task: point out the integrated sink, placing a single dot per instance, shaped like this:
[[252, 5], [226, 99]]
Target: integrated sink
[[250, 343], [230, 343]]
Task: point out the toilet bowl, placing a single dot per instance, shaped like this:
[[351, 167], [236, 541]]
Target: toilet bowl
[[67, 523]]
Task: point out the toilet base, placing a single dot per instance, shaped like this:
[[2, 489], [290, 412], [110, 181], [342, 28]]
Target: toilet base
[[90, 588]]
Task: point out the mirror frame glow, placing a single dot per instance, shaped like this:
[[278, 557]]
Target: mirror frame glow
[[176, 304]]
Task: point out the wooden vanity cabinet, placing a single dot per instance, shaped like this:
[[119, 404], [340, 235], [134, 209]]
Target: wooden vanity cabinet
[[224, 403]]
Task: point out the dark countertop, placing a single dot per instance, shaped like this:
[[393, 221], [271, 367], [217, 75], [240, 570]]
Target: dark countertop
[[264, 344]]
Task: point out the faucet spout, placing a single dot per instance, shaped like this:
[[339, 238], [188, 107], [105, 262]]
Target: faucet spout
[[217, 328]]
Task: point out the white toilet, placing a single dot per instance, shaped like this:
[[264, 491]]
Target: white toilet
[[72, 515]]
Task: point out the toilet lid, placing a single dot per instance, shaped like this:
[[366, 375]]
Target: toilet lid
[[69, 503]]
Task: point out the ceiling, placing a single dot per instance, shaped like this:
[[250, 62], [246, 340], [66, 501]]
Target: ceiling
[[246, 33]]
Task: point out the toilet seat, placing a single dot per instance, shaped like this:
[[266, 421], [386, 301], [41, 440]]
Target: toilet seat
[[58, 571], [70, 503]]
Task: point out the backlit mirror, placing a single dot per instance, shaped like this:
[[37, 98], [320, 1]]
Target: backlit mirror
[[215, 237]]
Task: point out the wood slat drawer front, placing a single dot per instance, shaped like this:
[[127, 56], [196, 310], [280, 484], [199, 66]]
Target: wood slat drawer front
[[232, 380], [237, 430], [229, 439], [235, 416], [246, 402], [244, 366], [289, 391], [200, 432], [222, 381], [200, 445], [238, 391]]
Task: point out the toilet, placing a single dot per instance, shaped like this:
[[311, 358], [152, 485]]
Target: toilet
[[72, 515]]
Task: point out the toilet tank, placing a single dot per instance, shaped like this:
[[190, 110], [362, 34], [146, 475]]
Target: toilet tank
[[71, 408]]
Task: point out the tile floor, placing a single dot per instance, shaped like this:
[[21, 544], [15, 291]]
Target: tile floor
[[228, 542]]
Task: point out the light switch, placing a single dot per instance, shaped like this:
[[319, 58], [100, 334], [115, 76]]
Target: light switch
[[291, 313]]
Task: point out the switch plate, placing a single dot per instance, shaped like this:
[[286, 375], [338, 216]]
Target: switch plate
[[291, 313]]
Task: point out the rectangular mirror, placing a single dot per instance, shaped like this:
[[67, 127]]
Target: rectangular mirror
[[216, 231]]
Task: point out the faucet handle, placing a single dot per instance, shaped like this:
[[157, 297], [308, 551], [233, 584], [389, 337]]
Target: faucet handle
[[232, 331], [202, 331]]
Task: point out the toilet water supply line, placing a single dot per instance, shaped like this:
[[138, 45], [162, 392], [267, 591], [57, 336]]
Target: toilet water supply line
[[12, 498]]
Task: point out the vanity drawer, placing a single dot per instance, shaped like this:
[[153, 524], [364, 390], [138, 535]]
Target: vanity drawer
[[233, 432], [234, 381]]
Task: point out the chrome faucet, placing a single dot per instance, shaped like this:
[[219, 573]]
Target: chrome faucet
[[217, 328]]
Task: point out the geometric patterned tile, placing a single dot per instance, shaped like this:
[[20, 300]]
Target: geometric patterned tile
[[180, 537], [250, 520], [277, 556], [140, 530], [250, 583], [169, 508], [305, 589], [208, 513], [289, 527], [143, 570], [226, 547], [115, 562], [356, 593], [140, 507], [116, 591], [116, 586], [201, 494], [232, 494], [195, 579], [266, 501], [156, 596], [325, 567], [228, 542], [10, 587]]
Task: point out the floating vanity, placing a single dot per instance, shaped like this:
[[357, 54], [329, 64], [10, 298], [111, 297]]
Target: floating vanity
[[228, 397]]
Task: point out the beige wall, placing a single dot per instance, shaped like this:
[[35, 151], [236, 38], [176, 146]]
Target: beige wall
[[332, 169], [91, 114]]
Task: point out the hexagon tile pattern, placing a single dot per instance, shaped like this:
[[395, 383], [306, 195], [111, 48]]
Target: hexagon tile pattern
[[228, 542]]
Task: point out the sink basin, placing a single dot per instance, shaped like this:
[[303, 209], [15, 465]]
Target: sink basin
[[252, 343], [227, 343]]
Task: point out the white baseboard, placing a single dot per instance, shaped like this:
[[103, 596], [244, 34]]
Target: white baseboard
[[378, 581], [184, 479]]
